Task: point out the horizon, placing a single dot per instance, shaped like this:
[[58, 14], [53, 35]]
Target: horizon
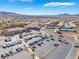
[[40, 7], [40, 15]]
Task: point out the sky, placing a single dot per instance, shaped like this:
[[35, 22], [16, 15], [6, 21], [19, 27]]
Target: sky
[[40, 7]]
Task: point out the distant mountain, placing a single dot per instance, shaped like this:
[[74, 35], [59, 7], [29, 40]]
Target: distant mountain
[[14, 16]]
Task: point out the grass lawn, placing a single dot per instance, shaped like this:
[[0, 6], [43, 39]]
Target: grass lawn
[[48, 30]]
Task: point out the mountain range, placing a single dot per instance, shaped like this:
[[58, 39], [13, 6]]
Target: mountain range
[[14, 16]]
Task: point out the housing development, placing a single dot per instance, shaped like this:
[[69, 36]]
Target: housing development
[[39, 39]]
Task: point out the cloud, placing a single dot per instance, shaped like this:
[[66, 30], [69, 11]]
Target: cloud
[[28, 8], [59, 4], [21, 0], [12, 0], [26, 0]]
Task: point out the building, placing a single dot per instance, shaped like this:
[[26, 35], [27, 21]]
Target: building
[[13, 31], [51, 26], [67, 29]]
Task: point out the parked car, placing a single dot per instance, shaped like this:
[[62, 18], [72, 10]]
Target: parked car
[[7, 54], [48, 40], [76, 46], [3, 55], [12, 44], [59, 32], [7, 40], [56, 44], [61, 35], [42, 43], [60, 40], [34, 47], [19, 49], [11, 52], [19, 42], [66, 42], [7, 45], [39, 44], [4, 47], [52, 39]]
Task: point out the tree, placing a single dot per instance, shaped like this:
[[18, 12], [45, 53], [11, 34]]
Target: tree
[[20, 36], [77, 23]]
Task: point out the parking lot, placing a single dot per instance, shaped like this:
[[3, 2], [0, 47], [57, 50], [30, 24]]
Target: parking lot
[[41, 46]]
